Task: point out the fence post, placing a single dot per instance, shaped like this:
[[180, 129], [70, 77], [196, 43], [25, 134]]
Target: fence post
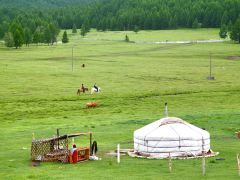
[[33, 136], [238, 164], [203, 165], [118, 153]]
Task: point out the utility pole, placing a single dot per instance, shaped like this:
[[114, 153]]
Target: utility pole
[[210, 77], [72, 58], [210, 65]]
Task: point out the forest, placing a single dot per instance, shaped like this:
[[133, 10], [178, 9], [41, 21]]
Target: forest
[[36, 16]]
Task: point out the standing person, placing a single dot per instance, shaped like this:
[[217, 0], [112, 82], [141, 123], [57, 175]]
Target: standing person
[[73, 148], [95, 86], [83, 88]]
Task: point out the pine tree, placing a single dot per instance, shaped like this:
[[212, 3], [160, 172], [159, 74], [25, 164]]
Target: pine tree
[[224, 19], [17, 32], [47, 35], [8, 39], [54, 31], [229, 27], [126, 38], [195, 23], [136, 29], [235, 33], [65, 37], [223, 31], [37, 36], [1, 31], [83, 30], [18, 38], [27, 36], [173, 23], [74, 29], [87, 25]]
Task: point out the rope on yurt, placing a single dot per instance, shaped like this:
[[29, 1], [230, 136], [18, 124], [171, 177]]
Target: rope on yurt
[[179, 138]]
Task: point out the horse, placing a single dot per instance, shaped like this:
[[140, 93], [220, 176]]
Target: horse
[[81, 90], [94, 90]]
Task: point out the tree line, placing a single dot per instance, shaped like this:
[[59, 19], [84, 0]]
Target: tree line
[[48, 16]]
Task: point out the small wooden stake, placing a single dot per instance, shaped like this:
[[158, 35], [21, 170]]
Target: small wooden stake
[[170, 162], [203, 165], [58, 136], [238, 164], [118, 153], [33, 136]]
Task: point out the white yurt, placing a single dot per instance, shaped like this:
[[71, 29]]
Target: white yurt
[[171, 136]]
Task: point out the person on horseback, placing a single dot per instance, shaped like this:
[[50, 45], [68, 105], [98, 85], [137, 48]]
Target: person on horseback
[[83, 88], [95, 86]]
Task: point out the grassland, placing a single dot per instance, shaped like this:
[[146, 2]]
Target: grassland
[[38, 94]]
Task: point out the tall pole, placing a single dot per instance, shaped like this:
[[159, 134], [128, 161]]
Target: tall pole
[[166, 110], [210, 65], [58, 136], [72, 58], [91, 153], [238, 164]]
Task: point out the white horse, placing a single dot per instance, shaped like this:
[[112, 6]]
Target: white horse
[[93, 90]]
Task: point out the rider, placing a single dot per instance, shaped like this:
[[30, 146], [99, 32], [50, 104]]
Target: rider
[[95, 86], [83, 88]]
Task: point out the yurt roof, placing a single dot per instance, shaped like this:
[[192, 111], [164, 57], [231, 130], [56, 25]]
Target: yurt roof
[[171, 128]]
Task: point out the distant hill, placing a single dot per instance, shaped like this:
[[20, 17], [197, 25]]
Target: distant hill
[[119, 14], [41, 3]]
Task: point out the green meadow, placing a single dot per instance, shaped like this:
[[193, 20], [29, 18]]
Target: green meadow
[[38, 95]]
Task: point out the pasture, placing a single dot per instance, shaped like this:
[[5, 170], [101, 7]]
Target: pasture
[[38, 94]]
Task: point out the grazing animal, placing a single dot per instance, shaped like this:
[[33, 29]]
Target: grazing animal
[[91, 105], [94, 90], [81, 90]]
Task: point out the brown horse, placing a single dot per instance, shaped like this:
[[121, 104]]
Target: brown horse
[[81, 90]]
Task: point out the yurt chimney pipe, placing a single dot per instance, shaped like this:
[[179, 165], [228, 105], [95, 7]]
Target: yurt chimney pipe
[[166, 110]]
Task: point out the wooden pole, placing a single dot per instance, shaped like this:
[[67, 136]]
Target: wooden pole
[[170, 162], [58, 136], [166, 110], [118, 153], [210, 65], [90, 144], [203, 165], [72, 59], [33, 136], [238, 164]]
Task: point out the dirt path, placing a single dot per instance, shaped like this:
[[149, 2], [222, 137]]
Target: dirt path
[[164, 42]]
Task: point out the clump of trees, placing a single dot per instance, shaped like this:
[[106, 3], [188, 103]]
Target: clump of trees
[[235, 31], [223, 31], [20, 32], [84, 29], [231, 30], [8, 39], [40, 20]]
